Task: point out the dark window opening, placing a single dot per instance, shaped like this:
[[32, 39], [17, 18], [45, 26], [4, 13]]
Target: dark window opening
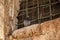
[[38, 10]]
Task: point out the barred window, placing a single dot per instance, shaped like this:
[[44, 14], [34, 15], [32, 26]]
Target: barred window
[[38, 10]]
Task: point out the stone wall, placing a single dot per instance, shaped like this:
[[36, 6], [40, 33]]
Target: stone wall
[[49, 30], [8, 13], [1, 19]]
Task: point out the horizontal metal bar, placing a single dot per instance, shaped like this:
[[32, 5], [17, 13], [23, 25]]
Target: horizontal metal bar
[[41, 18], [35, 7], [41, 6]]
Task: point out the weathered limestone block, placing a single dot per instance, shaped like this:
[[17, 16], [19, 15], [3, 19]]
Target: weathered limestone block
[[10, 20], [8, 13], [1, 19], [49, 30]]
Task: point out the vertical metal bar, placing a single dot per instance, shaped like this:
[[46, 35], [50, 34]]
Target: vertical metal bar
[[50, 9], [42, 9], [53, 11], [38, 10], [33, 11], [26, 8]]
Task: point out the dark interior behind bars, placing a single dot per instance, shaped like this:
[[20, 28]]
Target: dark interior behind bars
[[38, 10]]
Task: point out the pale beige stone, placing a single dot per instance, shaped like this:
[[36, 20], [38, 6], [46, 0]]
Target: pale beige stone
[[45, 31], [7, 7]]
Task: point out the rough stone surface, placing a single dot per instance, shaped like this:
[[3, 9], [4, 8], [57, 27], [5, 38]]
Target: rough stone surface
[[1, 20], [8, 13], [49, 30]]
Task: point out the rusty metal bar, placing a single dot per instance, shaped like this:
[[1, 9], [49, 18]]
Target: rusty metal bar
[[50, 8], [38, 9], [26, 8]]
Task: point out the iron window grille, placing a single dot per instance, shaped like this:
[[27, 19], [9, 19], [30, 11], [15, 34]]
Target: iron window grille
[[38, 10]]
